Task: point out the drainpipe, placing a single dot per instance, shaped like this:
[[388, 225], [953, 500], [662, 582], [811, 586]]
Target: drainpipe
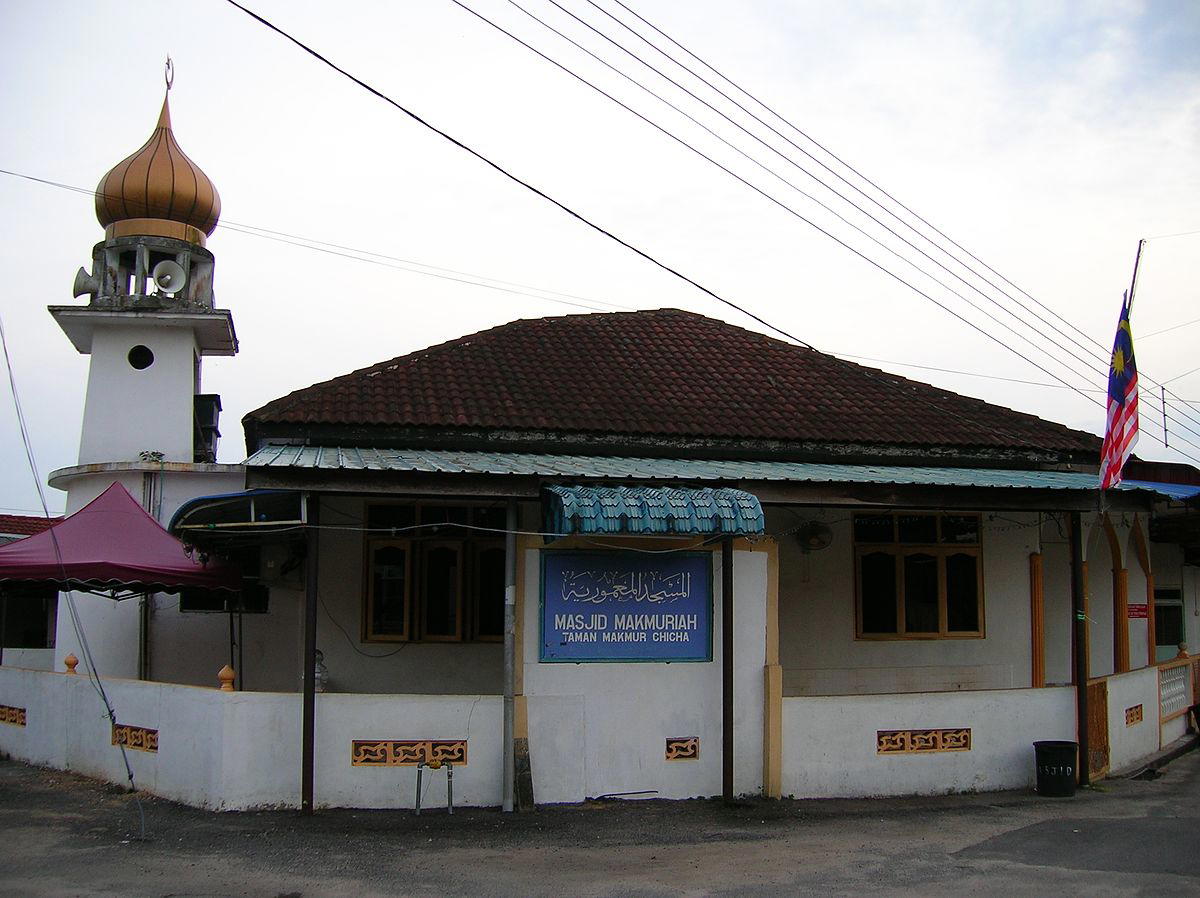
[[510, 621], [308, 734], [727, 668], [1081, 659]]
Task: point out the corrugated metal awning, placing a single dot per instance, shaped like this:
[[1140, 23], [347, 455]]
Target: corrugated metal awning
[[442, 461], [1180, 492], [651, 510]]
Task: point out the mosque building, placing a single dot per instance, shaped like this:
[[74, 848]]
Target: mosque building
[[644, 554]]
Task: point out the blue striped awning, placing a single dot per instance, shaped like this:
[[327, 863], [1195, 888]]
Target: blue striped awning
[[651, 510]]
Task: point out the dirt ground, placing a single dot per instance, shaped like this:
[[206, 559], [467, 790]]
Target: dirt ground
[[63, 835]]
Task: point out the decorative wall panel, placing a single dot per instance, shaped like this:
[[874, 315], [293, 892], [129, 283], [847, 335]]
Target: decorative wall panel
[[15, 716], [138, 738], [1133, 715], [902, 742], [407, 753], [684, 749]]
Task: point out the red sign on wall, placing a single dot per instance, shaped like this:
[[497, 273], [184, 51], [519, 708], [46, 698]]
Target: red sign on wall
[[1139, 611]]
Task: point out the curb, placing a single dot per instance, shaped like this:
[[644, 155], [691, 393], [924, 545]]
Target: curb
[[1181, 747]]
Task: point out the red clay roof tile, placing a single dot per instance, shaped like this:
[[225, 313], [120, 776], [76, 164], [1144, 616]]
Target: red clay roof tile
[[25, 525], [660, 372]]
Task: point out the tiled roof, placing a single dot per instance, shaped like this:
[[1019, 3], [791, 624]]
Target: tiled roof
[[24, 525], [663, 373]]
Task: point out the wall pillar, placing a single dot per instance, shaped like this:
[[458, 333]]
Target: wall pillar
[[312, 507], [1079, 609], [773, 686], [1120, 620], [1037, 621], [1151, 634], [727, 684]]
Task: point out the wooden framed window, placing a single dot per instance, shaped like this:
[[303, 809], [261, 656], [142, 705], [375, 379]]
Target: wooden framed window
[[434, 572], [488, 591], [389, 578], [918, 576], [441, 593]]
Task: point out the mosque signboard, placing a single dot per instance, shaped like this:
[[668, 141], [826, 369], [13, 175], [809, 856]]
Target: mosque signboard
[[626, 606]]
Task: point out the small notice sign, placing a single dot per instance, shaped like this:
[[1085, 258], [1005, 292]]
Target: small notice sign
[[1139, 611]]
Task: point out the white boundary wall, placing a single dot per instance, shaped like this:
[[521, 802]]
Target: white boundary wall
[[1128, 744], [241, 750], [829, 742], [601, 728]]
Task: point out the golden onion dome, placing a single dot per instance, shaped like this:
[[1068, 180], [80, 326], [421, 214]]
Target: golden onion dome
[[158, 191]]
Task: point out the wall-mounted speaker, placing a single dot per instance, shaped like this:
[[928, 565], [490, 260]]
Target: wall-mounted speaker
[[168, 276], [85, 283]]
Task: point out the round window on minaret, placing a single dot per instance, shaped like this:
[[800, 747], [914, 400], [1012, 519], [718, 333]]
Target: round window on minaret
[[141, 357]]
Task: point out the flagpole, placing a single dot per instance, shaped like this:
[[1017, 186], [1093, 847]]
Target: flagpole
[[1136, 262], [1080, 629]]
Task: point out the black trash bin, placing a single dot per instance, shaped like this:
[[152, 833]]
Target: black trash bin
[[1056, 762]]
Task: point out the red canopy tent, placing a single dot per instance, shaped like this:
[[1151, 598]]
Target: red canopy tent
[[112, 545]]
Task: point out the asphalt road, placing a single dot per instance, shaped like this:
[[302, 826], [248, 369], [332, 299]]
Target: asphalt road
[[64, 835]]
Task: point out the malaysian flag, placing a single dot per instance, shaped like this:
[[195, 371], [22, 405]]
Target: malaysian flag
[[1122, 430]]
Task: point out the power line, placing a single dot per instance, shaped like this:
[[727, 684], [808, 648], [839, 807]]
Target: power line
[[482, 277], [825, 185], [803, 218], [1096, 368], [829, 153], [774, 199], [827, 168], [444, 277], [1103, 350], [89, 662], [357, 253], [1169, 236], [1013, 380], [598, 228], [1097, 362], [786, 208], [1167, 330], [397, 262]]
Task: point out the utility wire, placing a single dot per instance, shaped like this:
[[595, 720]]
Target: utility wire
[[1169, 236], [795, 128], [799, 215], [1007, 437], [1096, 368], [819, 162], [324, 246], [1013, 380], [848, 200], [358, 254], [1167, 330], [482, 277], [829, 153], [1098, 364], [791, 211], [445, 277], [89, 662]]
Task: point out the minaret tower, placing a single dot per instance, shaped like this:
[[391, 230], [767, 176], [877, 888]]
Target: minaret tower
[[149, 321], [151, 317]]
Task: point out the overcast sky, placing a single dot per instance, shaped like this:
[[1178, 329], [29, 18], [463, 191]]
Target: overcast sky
[[1047, 138]]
